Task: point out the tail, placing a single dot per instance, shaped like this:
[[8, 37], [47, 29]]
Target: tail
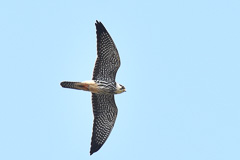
[[66, 84], [74, 85]]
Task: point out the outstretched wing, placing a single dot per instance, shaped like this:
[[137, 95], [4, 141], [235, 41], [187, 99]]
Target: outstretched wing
[[108, 60], [105, 114]]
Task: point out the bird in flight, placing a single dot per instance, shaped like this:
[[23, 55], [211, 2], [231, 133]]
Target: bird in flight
[[103, 87]]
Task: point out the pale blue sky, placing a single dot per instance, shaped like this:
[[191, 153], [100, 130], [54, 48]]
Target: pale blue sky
[[180, 65]]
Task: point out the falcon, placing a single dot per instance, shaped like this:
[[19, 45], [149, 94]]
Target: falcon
[[103, 87]]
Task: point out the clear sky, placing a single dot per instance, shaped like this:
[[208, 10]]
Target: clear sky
[[180, 63]]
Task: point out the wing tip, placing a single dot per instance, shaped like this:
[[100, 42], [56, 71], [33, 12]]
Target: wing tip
[[91, 153], [100, 27], [98, 22], [94, 149]]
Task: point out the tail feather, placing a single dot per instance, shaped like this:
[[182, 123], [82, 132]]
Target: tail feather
[[73, 85]]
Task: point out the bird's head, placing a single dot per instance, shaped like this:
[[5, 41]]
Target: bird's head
[[120, 88]]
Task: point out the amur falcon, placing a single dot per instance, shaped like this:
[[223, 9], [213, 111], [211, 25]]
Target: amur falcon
[[103, 88]]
